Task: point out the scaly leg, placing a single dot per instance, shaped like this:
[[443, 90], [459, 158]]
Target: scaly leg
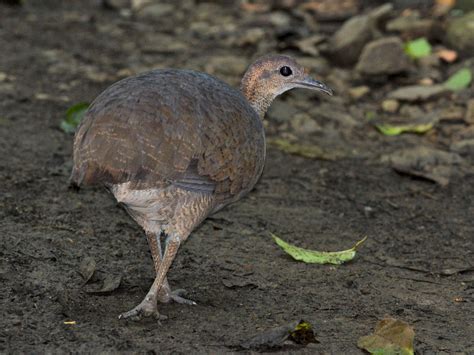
[[165, 294], [148, 307]]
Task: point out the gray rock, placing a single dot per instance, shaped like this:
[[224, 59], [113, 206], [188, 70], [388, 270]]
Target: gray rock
[[347, 43], [383, 56], [418, 93], [155, 11], [460, 33], [411, 25]]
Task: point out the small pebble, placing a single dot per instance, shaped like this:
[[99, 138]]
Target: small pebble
[[390, 106]]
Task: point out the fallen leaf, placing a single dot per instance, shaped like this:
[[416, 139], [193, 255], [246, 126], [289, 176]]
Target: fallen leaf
[[391, 337], [110, 283], [318, 257], [87, 268], [448, 55], [300, 332], [459, 80], [432, 164], [303, 334], [74, 116], [418, 92], [70, 322], [394, 130], [235, 282], [304, 150], [418, 48]]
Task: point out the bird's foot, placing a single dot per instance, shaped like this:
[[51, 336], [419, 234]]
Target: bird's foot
[[176, 296], [146, 308]]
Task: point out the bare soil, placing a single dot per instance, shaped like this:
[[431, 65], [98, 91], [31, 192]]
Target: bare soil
[[417, 264]]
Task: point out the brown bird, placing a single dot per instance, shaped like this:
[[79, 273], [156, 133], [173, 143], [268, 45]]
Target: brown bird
[[175, 146]]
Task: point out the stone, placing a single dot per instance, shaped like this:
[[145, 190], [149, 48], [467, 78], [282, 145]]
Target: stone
[[155, 11], [418, 93], [383, 56], [345, 46], [411, 26], [359, 91], [460, 33], [347, 43], [390, 105]]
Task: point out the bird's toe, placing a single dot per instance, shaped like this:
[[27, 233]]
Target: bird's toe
[[144, 309], [177, 296]]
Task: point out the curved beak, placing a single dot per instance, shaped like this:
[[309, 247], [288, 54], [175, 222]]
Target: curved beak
[[310, 83]]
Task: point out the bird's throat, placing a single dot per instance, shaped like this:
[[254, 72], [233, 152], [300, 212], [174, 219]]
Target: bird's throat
[[260, 98]]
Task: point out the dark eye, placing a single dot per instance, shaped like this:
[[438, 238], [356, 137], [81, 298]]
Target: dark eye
[[285, 71]]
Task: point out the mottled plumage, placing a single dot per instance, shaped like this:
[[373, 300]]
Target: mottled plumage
[[175, 146]]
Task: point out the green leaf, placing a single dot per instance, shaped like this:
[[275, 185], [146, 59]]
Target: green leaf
[[74, 116], [459, 80], [394, 130], [391, 337], [418, 48], [318, 257]]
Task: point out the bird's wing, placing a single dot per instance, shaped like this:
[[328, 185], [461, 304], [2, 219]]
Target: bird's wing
[[153, 132]]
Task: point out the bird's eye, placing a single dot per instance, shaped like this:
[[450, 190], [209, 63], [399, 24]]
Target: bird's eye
[[285, 71]]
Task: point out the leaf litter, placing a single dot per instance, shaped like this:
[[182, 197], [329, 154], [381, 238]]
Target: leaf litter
[[391, 337], [299, 332]]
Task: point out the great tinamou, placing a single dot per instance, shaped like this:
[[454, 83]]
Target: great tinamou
[[174, 146]]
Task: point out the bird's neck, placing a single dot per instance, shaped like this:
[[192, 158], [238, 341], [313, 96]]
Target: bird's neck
[[260, 98]]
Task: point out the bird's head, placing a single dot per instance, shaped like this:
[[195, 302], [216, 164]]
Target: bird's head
[[271, 76]]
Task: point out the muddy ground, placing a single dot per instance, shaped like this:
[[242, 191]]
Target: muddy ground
[[417, 263]]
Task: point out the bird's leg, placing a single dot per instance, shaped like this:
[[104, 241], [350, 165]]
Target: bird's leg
[[148, 306], [165, 294]]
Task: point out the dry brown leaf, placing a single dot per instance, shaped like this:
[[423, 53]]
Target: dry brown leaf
[[391, 336]]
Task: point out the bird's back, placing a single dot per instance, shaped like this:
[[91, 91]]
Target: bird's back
[[171, 128]]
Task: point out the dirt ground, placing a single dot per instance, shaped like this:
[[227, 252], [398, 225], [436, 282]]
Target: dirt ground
[[416, 265]]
